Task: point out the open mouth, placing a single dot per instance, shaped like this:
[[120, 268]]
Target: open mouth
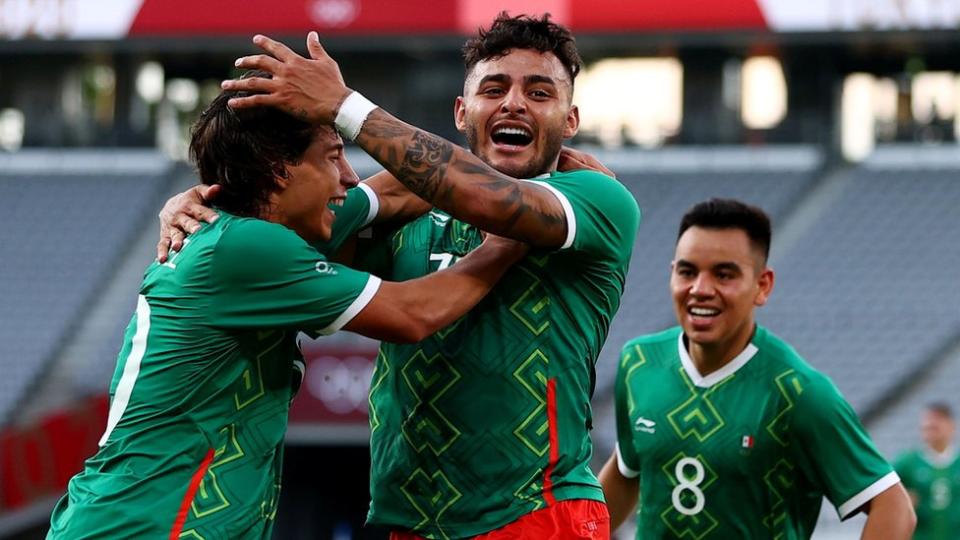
[[512, 136], [336, 201], [703, 311]]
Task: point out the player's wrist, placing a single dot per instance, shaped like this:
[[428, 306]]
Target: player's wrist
[[351, 115]]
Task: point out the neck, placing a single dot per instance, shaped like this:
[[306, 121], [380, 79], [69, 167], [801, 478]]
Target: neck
[[710, 357], [939, 446]]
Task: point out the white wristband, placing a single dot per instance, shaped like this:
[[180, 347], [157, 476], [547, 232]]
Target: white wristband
[[352, 114]]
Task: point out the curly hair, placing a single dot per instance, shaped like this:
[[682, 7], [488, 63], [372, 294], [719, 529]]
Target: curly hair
[[523, 32], [246, 150]]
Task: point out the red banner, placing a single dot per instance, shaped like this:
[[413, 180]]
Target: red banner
[[36, 462], [212, 17], [634, 15]]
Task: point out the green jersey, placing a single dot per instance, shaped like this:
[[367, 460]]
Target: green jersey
[[202, 387], [489, 419], [748, 451], [933, 481]]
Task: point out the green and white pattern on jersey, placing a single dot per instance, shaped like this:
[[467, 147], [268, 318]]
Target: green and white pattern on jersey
[[461, 441], [748, 451], [203, 383], [934, 482]]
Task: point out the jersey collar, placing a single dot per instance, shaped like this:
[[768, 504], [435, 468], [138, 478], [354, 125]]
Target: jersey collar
[[718, 375], [940, 459]]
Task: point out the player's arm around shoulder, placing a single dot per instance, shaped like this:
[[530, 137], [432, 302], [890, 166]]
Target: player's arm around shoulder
[[410, 311], [856, 476]]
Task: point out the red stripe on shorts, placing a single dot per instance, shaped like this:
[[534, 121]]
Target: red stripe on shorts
[[554, 442], [188, 498]]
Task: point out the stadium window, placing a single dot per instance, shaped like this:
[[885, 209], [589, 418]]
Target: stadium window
[[150, 82], [184, 94], [857, 116], [764, 93], [631, 100], [12, 123], [933, 96], [99, 87], [885, 96]]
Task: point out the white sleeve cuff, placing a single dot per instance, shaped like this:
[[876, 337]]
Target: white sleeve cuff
[[846, 509], [567, 210], [627, 472], [374, 203], [367, 294]]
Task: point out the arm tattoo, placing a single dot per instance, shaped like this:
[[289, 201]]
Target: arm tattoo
[[449, 178]]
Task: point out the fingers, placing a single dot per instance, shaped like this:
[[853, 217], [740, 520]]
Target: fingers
[[314, 47], [252, 84], [256, 100], [163, 248], [176, 239], [209, 193], [275, 48], [259, 61]]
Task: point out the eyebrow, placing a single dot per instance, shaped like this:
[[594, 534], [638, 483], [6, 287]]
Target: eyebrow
[[719, 266], [529, 79]]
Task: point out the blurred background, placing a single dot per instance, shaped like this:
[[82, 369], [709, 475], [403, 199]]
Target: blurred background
[[839, 117]]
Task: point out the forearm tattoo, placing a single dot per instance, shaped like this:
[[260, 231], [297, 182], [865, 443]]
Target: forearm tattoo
[[449, 176]]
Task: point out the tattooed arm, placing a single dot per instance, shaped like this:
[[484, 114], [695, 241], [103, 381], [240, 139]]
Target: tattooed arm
[[460, 183], [449, 177]]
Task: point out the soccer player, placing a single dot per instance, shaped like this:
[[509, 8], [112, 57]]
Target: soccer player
[[483, 428], [722, 428], [932, 475], [200, 395]]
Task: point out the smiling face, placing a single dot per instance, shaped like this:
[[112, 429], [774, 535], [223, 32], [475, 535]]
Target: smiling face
[[320, 180], [717, 279], [516, 112]]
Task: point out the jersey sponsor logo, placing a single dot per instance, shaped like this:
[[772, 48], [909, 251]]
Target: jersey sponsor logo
[[325, 268], [645, 425]]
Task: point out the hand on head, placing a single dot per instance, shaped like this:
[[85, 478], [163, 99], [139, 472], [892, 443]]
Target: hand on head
[[311, 89]]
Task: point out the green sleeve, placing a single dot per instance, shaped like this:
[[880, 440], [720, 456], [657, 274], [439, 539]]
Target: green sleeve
[[602, 215], [357, 212], [268, 277], [627, 459], [835, 451]]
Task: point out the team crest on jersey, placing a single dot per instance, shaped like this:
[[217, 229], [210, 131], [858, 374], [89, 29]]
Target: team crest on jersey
[[645, 425], [440, 220]]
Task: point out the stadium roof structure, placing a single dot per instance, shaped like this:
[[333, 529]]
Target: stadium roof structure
[[122, 19]]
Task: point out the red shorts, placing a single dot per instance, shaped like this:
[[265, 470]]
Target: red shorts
[[575, 519]]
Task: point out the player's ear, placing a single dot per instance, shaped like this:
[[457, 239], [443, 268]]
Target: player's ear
[[573, 122], [765, 286], [459, 114]]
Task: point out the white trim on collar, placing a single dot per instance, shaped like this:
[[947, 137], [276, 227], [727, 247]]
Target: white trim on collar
[[940, 459], [718, 375]]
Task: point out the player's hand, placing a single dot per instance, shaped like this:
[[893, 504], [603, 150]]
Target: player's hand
[[509, 250], [310, 89], [575, 160], [181, 215]]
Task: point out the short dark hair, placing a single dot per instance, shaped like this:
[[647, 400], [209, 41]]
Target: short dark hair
[[246, 150], [523, 32], [730, 214], [940, 407]]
